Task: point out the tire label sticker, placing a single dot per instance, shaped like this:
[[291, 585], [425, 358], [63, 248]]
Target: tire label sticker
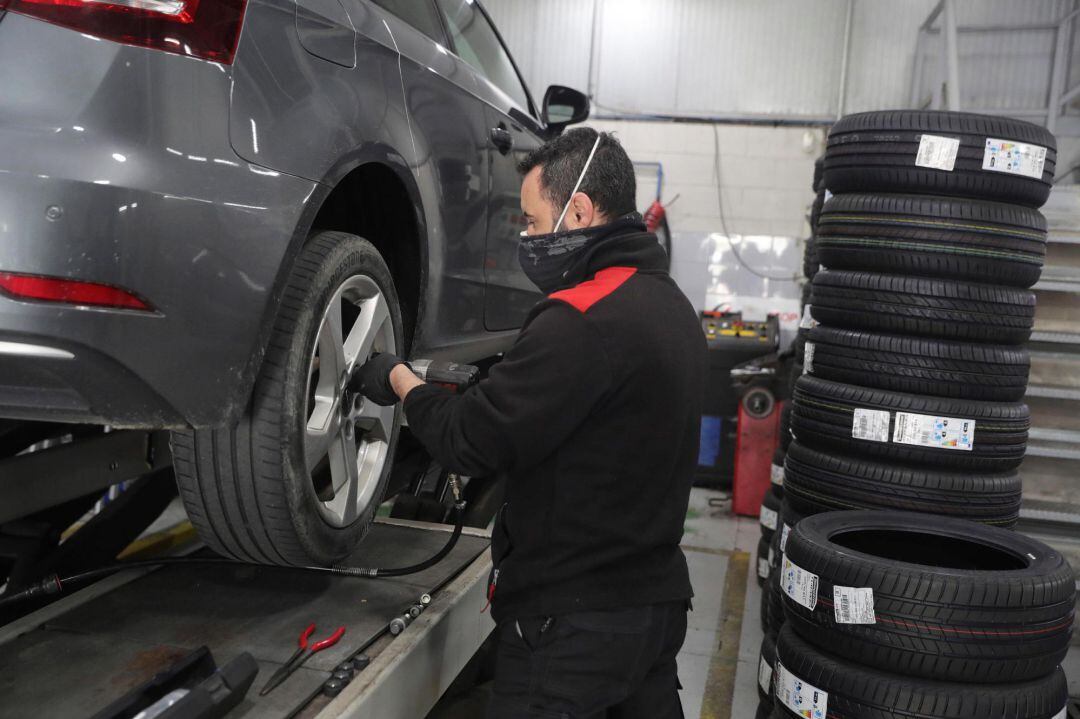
[[783, 536], [807, 322], [937, 152], [799, 584], [854, 605], [763, 567], [764, 676], [870, 424], [808, 358], [924, 430], [777, 474], [801, 697], [1015, 158], [768, 518]]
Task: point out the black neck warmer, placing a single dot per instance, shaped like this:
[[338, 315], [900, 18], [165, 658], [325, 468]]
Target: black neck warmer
[[559, 260]]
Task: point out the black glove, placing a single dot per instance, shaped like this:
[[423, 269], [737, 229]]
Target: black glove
[[373, 379]]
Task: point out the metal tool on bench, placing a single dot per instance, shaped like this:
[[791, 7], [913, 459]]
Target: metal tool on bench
[[301, 655]]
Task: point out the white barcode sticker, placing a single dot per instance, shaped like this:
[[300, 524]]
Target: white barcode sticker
[[1015, 158], [799, 584], [783, 536], [937, 152], [764, 676], [777, 474], [925, 430], [808, 358], [854, 605], [800, 696], [763, 567], [807, 322], [871, 424], [768, 518]]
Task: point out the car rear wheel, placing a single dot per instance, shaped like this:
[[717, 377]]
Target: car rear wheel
[[298, 480]]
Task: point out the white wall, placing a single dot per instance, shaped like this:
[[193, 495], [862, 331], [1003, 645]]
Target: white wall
[[765, 185]]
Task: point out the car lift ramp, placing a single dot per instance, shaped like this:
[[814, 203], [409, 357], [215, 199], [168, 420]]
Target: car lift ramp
[[84, 651]]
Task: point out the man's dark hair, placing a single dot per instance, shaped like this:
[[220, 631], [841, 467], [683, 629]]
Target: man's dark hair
[[609, 183]]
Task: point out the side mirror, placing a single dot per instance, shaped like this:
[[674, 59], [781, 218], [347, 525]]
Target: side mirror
[[564, 106]]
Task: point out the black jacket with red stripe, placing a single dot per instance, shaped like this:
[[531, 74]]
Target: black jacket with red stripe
[[594, 414]]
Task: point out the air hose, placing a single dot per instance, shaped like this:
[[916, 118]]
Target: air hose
[[55, 584]]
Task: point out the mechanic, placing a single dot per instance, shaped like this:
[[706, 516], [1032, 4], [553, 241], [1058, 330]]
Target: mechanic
[[594, 416]]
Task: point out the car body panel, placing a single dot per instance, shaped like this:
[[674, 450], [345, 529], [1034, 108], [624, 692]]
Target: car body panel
[[326, 31], [151, 198], [194, 185]]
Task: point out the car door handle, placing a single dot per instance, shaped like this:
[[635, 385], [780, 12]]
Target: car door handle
[[502, 139]]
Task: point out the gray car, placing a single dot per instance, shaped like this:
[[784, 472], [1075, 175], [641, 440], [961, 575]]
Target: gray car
[[212, 212]]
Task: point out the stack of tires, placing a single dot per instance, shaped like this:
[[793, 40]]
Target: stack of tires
[[914, 369], [770, 505], [896, 615]]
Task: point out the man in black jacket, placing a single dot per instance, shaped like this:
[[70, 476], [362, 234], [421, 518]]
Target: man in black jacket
[[594, 415]]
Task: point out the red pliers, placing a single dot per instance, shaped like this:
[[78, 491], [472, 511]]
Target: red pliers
[[301, 655]]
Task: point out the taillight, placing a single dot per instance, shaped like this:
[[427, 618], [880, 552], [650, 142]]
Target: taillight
[[71, 292], [208, 29]]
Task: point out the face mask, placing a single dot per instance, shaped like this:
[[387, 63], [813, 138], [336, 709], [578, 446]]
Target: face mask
[[546, 259]]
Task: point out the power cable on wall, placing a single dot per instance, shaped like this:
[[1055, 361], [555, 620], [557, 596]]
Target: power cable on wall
[[723, 218]]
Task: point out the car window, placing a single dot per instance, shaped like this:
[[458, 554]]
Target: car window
[[421, 14], [477, 44]]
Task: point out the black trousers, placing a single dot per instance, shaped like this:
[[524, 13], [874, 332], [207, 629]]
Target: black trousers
[[617, 664]]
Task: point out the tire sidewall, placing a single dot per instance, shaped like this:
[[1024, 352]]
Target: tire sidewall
[[350, 256]]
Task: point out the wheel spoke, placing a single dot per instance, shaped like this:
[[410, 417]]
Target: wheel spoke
[[332, 350], [344, 473], [365, 330], [317, 443]]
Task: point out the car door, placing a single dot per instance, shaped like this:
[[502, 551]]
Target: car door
[[513, 131], [449, 133]]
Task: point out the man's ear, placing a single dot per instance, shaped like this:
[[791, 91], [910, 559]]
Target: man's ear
[[582, 211]]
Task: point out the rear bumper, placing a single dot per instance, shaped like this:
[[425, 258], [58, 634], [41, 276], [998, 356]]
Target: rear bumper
[[42, 379], [130, 149]]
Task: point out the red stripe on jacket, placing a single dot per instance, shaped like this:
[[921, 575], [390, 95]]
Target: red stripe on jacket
[[588, 293]]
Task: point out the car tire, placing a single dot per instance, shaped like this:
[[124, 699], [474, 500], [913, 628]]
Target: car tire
[[855, 691], [866, 422], [811, 263], [953, 238], [923, 307], [785, 425], [766, 663], [769, 514], [877, 152], [776, 472], [819, 482], [932, 597], [763, 566], [264, 490], [938, 368]]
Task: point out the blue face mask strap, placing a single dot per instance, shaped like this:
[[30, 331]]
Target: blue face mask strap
[[580, 178]]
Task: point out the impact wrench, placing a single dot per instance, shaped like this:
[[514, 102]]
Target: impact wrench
[[452, 376]]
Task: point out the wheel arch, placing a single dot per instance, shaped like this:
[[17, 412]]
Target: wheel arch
[[366, 193]]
